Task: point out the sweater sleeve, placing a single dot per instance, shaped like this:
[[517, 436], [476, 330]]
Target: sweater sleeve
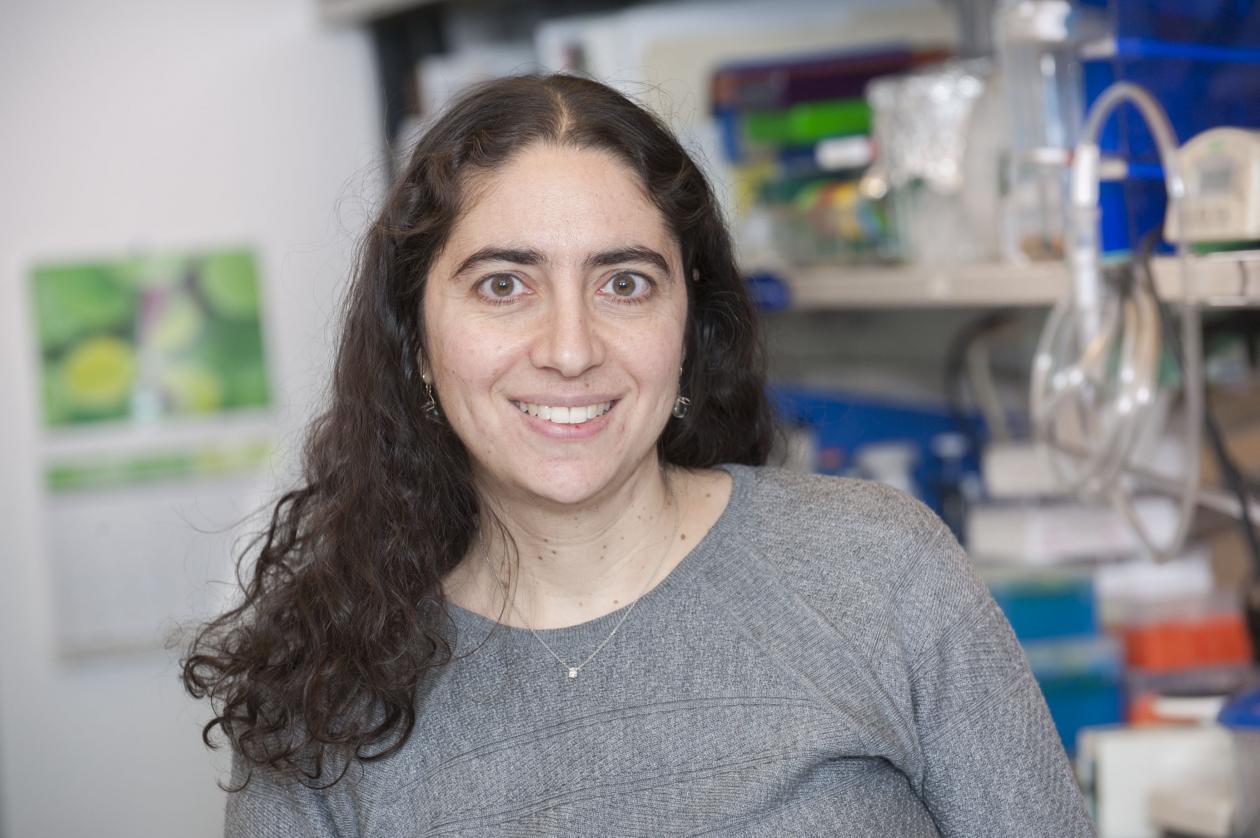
[[275, 805], [993, 764]]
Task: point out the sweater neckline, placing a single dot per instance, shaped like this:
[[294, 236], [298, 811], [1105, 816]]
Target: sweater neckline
[[689, 566]]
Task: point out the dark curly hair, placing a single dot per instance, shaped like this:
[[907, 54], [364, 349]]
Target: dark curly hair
[[341, 616]]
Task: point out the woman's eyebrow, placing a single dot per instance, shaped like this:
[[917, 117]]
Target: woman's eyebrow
[[515, 255], [622, 255], [529, 256]]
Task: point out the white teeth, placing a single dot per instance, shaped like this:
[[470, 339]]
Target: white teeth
[[564, 415]]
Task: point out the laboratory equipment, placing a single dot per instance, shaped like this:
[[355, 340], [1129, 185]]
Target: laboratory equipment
[[1199, 59], [1222, 168], [1095, 384], [1095, 390]]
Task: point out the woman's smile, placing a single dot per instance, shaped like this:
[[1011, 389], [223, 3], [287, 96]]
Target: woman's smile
[[563, 415], [561, 422]]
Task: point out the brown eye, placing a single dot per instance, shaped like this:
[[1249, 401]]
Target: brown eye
[[500, 287], [628, 285]]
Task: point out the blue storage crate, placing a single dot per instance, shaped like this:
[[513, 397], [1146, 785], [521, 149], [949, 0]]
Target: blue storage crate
[[845, 422]]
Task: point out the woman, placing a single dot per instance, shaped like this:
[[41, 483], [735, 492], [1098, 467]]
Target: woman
[[538, 580]]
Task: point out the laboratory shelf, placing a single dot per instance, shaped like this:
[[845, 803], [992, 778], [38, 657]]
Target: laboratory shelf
[[1220, 279]]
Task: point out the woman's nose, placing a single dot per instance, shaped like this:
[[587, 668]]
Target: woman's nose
[[569, 340]]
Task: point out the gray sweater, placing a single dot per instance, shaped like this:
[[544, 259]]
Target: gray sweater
[[823, 662]]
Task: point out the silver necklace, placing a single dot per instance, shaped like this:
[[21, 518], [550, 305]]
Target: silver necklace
[[570, 668]]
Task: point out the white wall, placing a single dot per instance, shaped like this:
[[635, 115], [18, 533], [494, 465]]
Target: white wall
[[155, 124]]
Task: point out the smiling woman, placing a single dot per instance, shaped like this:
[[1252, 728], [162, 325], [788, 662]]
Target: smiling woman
[[571, 299], [538, 579]]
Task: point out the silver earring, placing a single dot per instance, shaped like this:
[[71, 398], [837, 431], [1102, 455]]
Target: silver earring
[[682, 402], [430, 404]]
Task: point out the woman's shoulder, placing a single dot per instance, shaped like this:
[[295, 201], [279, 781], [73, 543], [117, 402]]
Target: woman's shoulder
[[862, 554], [847, 542], [787, 504]]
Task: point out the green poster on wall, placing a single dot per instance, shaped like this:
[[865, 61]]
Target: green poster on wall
[[150, 337]]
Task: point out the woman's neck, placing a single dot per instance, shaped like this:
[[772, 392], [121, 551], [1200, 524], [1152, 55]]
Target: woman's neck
[[575, 565]]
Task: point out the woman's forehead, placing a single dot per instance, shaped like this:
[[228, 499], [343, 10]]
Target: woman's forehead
[[565, 203]]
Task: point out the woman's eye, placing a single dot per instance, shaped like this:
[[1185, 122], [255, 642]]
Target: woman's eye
[[629, 286], [500, 287]]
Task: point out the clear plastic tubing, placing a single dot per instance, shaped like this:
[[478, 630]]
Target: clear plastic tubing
[[1093, 331]]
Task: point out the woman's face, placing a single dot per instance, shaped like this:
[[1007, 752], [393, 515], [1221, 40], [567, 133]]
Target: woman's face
[[555, 317]]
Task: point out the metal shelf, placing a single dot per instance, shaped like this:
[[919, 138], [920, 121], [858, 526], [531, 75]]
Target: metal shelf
[[1220, 279]]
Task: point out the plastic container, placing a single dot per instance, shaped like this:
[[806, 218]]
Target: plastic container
[[1038, 47], [936, 132], [1242, 718]]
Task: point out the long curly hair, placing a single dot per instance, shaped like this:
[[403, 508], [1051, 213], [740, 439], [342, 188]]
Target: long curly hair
[[341, 616]]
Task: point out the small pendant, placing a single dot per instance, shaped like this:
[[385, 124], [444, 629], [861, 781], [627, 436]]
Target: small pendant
[[572, 671]]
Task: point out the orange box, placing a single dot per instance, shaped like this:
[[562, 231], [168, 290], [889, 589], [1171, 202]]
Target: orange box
[[1175, 645]]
